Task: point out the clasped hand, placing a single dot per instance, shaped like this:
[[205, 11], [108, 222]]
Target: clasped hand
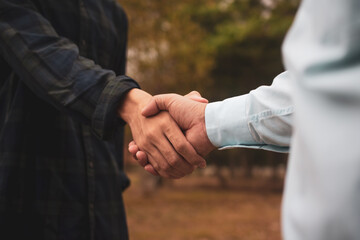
[[189, 114]]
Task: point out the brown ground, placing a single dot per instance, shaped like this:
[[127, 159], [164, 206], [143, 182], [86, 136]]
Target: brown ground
[[196, 208]]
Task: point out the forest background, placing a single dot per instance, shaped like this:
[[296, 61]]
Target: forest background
[[221, 48]]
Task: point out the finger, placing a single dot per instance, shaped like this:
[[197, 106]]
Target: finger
[[183, 147], [149, 168], [193, 93], [174, 159], [198, 99], [134, 157], [160, 164], [133, 149], [158, 103], [196, 96], [175, 165], [142, 158], [150, 109]]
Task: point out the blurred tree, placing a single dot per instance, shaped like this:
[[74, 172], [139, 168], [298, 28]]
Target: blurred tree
[[244, 39], [163, 47], [221, 48]]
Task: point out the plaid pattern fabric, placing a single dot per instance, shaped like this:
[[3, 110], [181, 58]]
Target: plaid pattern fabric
[[62, 66]]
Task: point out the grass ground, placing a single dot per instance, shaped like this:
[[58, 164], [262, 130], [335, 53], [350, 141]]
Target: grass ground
[[197, 208]]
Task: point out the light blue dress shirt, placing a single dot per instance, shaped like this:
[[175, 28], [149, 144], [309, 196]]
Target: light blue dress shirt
[[313, 108]]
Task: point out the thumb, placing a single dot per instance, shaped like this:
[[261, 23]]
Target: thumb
[[196, 96], [157, 103], [150, 109]]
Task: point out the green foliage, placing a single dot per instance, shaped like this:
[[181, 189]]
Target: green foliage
[[221, 48]]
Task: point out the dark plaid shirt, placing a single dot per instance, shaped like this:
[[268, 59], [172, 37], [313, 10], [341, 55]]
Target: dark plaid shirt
[[62, 65]]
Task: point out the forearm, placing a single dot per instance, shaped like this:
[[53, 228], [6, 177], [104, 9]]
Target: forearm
[[52, 68], [260, 119], [132, 104]]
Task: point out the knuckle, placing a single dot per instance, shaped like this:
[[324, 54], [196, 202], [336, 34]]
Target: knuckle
[[149, 142], [182, 148], [190, 170], [156, 166], [149, 135], [143, 144], [142, 162], [195, 92], [167, 167], [164, 122], [162, 166], [166, 125], [174, 162]]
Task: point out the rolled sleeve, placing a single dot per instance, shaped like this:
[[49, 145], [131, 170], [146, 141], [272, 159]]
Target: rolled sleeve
[[261, 119], [50, 65], [227, 122], [105, 118]]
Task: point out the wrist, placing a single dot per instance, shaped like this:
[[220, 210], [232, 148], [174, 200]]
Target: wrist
[[198, 134], [208, 146], [132, 104]]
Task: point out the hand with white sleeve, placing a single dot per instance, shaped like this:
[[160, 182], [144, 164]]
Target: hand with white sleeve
[[188, 112]]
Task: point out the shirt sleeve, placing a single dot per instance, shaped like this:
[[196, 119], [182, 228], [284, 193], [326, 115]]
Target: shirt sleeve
[[322, 194], [50, 65], [260, 119]]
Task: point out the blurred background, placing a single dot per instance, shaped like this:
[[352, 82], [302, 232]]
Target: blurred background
[[221, 48]]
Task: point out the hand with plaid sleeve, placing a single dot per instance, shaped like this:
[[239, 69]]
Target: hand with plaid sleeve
[[62, 89]]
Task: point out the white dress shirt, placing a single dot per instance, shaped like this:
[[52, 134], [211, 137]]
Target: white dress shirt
[[314, 109]]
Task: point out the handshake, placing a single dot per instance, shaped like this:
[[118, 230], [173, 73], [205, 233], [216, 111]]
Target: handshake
[[169, 132]]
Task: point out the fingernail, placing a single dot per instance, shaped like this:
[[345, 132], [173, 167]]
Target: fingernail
[[202, 165]]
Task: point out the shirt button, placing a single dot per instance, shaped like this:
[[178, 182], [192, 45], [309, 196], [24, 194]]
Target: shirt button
[[91, 164]]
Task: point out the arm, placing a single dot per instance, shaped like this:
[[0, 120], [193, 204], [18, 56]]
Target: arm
[[189, 114], [157, 136], [260, 119], [52, 68]]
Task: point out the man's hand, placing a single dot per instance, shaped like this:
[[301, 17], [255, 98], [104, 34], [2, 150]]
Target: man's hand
[[189, 114], [159, 137]]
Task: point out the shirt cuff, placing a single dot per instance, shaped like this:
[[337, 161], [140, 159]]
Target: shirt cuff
[[105, 120], [227, 122]]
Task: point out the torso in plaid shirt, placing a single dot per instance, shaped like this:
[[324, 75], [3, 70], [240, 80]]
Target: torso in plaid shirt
[[61, 79]]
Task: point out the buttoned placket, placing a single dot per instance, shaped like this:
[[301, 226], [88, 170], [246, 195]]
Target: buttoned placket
[[86, 131]]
